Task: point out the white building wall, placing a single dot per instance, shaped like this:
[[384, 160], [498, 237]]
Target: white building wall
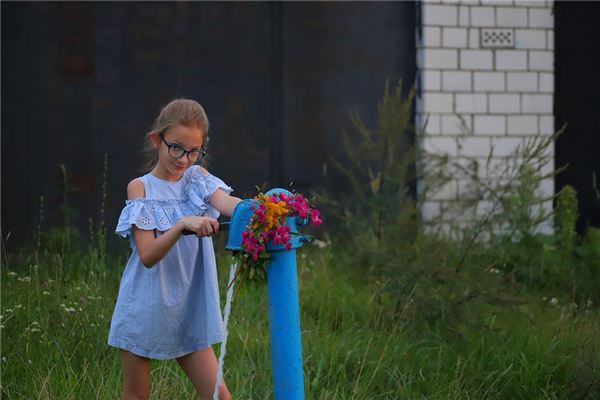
[[476, 92]]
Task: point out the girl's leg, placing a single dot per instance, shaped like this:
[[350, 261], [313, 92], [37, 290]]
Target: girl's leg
[[201, 367], [136, 376]]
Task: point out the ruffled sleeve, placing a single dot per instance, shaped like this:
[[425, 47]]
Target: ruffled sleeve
[[201, 187], [149, 214]]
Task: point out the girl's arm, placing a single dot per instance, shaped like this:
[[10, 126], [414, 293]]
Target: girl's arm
[[220, 200], [223, 202], [152, 249]]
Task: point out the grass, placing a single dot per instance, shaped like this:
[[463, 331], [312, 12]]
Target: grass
[[56, 316]]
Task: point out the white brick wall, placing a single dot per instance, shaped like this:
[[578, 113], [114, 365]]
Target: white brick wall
[[511, 17], [511, 60], [456, 81], [476, 59], [522, 82], [454, 37], [477, 98], [489, 81]]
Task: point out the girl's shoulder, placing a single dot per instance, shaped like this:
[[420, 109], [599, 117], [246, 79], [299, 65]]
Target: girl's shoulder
[[196, 171], [203, 171], [136, 189]]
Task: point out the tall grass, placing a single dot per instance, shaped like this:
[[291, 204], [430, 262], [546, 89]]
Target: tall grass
[[54, 340], [388, 310]]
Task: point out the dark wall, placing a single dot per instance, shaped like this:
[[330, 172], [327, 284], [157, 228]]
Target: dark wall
[[577, 103], [81, 80]]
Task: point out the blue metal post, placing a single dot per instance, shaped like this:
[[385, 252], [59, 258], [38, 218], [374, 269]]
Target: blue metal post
[[284, 308], [284, 326]]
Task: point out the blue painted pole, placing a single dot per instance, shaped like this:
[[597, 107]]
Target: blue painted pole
[[284, 326], [284, 308]]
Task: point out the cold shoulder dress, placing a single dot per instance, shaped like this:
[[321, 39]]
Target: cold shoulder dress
[[171, 309]]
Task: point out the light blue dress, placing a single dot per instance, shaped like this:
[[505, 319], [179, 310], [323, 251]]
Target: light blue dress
[[171, 309]]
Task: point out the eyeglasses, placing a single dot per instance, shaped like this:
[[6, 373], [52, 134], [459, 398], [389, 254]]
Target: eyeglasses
[[176, 152]]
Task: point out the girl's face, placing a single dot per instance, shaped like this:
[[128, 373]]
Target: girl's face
[[179, 137]]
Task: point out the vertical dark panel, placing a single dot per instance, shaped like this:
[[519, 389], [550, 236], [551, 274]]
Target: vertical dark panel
[[337, 58], [74, 114], [30, 140], [277, 80], [577, 101], [216, 53], [277, 164]]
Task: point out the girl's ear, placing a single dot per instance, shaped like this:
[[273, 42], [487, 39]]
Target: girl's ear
[[155, 139]]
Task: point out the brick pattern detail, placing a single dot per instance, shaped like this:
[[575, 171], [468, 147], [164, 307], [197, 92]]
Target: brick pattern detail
[[475, 98]]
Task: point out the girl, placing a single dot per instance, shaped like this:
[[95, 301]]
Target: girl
[[168, 302]]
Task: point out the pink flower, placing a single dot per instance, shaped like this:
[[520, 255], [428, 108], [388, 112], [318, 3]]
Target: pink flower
[[249, 241], [265, 236], [261, 214], [301, 206], [284, 197], [314, 218], [282, 236]]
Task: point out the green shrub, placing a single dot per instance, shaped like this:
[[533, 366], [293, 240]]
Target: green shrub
[[469, 258]]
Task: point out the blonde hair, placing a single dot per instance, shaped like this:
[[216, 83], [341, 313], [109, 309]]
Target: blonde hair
[[178, 112]]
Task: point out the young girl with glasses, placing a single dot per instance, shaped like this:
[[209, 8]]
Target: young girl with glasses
[[168, 302]]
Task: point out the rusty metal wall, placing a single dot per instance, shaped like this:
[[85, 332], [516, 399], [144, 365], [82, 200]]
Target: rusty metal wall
[[81, 80]]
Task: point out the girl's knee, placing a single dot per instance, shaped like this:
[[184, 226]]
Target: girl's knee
[[136, 396], [135, 392]]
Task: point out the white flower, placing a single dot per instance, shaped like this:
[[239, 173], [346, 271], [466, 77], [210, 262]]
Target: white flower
[[554, 301], [321, 244], [46, 293]]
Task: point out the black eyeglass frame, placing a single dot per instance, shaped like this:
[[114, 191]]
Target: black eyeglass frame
[[201, 152]]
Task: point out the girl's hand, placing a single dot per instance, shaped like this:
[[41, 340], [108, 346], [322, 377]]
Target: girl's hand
[[203, 226]]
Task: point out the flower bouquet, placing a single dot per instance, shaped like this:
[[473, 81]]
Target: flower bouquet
[[268, 224]]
